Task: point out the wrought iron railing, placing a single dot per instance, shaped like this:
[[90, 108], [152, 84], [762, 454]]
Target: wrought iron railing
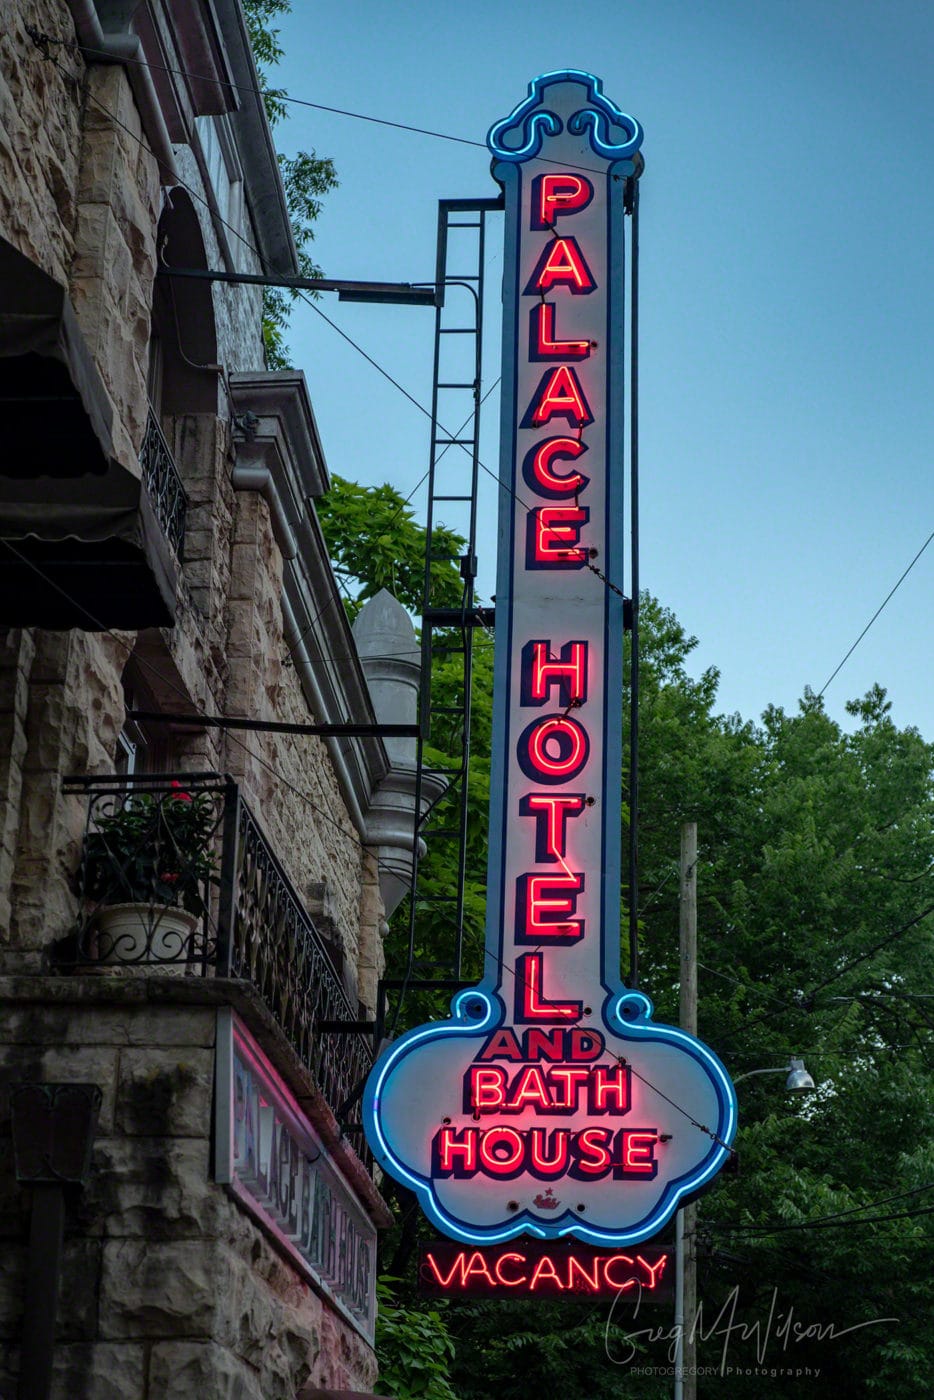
[[162, 481], [177, 875]]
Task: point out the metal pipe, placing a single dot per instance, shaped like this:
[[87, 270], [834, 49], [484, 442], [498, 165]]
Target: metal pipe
[[408, 293], [634, 588], [43, 1269], [126, 50]]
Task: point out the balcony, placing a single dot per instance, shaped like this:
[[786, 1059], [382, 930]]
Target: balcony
[[162, 481], [177, 878]]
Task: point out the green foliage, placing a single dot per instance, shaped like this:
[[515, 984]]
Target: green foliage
[[306, 178], [375, 542], [413, 1347], [816, 909], [152, 851]]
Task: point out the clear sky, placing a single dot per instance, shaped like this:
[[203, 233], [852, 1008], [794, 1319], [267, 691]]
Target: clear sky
[[787, 413]]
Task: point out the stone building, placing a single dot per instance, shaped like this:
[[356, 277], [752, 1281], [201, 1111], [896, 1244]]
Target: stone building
[[190, 915]]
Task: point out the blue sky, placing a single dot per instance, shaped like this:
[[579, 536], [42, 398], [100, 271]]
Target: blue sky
[[787, 417]]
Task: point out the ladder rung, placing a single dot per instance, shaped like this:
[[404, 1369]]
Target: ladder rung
[[457, 330], [452, 498], [456, 442], [471, 385]]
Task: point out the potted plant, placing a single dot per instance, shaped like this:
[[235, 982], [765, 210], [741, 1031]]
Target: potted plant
[[146, 866]]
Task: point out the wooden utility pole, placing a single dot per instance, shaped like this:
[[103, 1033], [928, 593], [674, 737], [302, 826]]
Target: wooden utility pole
[[688, 968]]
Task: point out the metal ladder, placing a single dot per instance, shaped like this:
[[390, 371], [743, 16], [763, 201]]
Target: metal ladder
[[448, 631]]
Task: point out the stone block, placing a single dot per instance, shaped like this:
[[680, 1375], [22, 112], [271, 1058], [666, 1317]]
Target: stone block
[[77, 1023], [159, 1290], [205, 1370], [165, 1092], [102, 1371], [153, 1189], [77, 1305]]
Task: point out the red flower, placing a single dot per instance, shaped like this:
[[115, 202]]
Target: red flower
[[169, 877], [179, 796]]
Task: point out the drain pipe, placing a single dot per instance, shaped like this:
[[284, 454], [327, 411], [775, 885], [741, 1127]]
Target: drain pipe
[[127, 50]]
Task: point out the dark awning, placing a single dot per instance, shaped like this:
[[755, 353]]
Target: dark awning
[[80, 545]]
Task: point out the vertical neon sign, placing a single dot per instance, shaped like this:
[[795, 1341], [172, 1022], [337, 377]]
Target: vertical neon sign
[[550, 1103]]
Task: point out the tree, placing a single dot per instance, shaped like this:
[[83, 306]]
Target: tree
[[816, 908], [306, 178]]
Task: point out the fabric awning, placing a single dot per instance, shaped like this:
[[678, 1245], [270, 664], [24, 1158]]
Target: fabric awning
[[80, 545]]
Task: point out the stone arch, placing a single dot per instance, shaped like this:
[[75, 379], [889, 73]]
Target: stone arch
[[183, 370]]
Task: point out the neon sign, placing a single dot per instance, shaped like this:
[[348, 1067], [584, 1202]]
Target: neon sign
[[551, 1104], [530, 1270]]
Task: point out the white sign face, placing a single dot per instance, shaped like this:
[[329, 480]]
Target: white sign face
[[274, 1162], [551, 1104]]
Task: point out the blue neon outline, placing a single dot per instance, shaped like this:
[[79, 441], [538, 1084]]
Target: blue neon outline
[[534, 125], [637, 1026]]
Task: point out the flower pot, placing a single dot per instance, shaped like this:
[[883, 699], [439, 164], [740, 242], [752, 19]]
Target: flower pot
[[158, 936]]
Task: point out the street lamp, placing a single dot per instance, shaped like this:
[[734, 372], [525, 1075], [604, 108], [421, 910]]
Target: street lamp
[[798, 1080]]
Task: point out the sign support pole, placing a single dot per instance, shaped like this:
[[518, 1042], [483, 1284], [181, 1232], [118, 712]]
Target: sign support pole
[[686, 1267]]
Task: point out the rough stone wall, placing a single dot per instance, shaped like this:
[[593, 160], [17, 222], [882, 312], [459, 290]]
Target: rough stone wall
[[40, 137], [304, 818], [115, 249], [169, 1288], [67, 708]]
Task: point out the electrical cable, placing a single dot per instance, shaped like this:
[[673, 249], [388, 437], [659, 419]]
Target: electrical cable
[[42, 42], [196, 712], [878, 610], [304, 297]]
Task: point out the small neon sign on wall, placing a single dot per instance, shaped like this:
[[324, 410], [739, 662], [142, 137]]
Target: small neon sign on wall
[[551, 1104]]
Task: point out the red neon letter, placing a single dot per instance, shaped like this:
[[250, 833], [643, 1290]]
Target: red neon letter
[[639, 1153], [502, 1045], [530, 1090], [559, 395], [655, 1272], [542, 343], [593, 1155], [610, 1086], [550, 1277], [573, 1078], [551, 811], [630, 1282], [501, 1138], [561, 264], [531, 1003], [498, 1270], [486, 1089], [569, 672], [553, 540], [543, 912], [585, 1045], [575, 1266], [553, 750], [540, 475], [476, 1264], [540, 1163], [453, 1155], [558, 194], [446, 1282]]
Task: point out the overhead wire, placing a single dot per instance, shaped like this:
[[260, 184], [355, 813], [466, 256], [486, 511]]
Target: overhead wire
[[276, 95], [878, 610], [197, 713]]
